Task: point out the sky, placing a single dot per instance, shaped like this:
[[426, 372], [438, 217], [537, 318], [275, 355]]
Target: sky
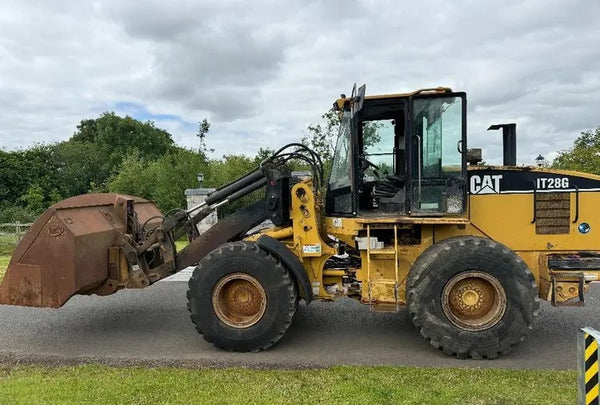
[[262, 71]]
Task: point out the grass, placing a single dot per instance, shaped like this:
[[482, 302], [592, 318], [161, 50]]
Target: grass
[[337, 385], [180, 244], [7, 246], [3, 265]]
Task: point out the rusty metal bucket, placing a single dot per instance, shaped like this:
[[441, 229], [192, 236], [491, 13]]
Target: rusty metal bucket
[[66, 251]]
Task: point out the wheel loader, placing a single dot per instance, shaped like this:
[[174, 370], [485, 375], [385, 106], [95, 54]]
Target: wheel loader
[[408, 219]]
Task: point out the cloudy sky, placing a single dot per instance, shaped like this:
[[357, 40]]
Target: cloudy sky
[[261, 71]]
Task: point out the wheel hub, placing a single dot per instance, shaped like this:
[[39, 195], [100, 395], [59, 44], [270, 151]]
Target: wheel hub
[[474, 300], [239, 300]]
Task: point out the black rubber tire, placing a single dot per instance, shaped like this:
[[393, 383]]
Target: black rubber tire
[[278, 284], [442, 261]]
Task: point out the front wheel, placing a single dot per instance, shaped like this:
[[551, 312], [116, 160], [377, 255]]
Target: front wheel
[[242, 298], [472, 297]]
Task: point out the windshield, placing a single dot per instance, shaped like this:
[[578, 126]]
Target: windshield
[[340, 168], [339, 195]]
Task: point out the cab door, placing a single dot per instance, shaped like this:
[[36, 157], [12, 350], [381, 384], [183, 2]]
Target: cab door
[[437, 165]]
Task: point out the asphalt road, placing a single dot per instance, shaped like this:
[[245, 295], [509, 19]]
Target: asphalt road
[[152, 327]]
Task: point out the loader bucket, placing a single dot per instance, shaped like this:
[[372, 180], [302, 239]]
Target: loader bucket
[[66, 251]]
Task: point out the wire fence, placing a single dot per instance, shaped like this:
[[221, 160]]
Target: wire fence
[[15, 229]]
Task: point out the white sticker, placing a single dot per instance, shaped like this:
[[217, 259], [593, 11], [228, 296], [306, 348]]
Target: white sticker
[[337, 222], [544, 183], [486, 184], [316, 248]]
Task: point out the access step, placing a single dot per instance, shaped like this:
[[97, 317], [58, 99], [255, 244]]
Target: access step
[[577, 278]]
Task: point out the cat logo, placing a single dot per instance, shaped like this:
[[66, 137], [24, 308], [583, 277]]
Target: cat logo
[[486, 184]]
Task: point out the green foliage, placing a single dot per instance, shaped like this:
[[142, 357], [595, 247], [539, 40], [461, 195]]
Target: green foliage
[[321, 137], [81, 166], [34, 198], [162, 180], [20, 169], [584, 156], [118, 137], [13, 213], [264, 153], [113, 154], [97, 149], [165, 179], [203, 128], [371, 133], [227, 169], [134, 178], [176, 172], [37, 177]]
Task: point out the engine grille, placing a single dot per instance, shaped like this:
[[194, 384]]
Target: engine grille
[[552, 213]]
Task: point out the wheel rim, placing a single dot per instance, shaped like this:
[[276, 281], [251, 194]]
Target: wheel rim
[[474, 300], [239, 300]]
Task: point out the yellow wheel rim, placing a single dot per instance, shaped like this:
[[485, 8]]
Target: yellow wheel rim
[[239, 300], [474, 300]]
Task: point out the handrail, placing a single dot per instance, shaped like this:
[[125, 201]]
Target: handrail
[[534, 202], [576, 204], [419, 154]]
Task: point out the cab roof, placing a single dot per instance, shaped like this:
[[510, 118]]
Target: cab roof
[[340, 102]]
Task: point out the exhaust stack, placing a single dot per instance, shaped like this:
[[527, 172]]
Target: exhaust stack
[[509, 142]]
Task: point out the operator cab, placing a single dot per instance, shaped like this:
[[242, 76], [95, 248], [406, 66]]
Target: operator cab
[[400, 155]]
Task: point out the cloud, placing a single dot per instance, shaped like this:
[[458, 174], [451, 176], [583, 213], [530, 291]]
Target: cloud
[[262, 71]]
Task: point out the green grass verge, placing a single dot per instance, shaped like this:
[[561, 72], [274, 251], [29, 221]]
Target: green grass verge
[[7, 246], [338, 385], [3, 265]]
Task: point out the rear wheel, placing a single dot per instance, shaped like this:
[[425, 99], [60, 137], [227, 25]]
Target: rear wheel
[[472, 297], [242, 298]]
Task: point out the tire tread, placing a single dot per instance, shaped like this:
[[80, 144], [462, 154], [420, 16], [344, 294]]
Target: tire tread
[[253, 249], [417, 287]]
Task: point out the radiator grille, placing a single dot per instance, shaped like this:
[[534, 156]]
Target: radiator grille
[[552, 213]]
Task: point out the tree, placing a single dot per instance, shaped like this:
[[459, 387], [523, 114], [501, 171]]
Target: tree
[[20, 169], [117, 137], [80, 169], [263, 154], [321, 137], [163, 180], [203, 128], [34, 178], [584, 156], [34, 198]]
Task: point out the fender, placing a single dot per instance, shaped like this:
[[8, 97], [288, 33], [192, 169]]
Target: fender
[[290, 261]]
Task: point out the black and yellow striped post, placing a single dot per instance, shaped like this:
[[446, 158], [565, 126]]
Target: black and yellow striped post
[[587, 370]]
